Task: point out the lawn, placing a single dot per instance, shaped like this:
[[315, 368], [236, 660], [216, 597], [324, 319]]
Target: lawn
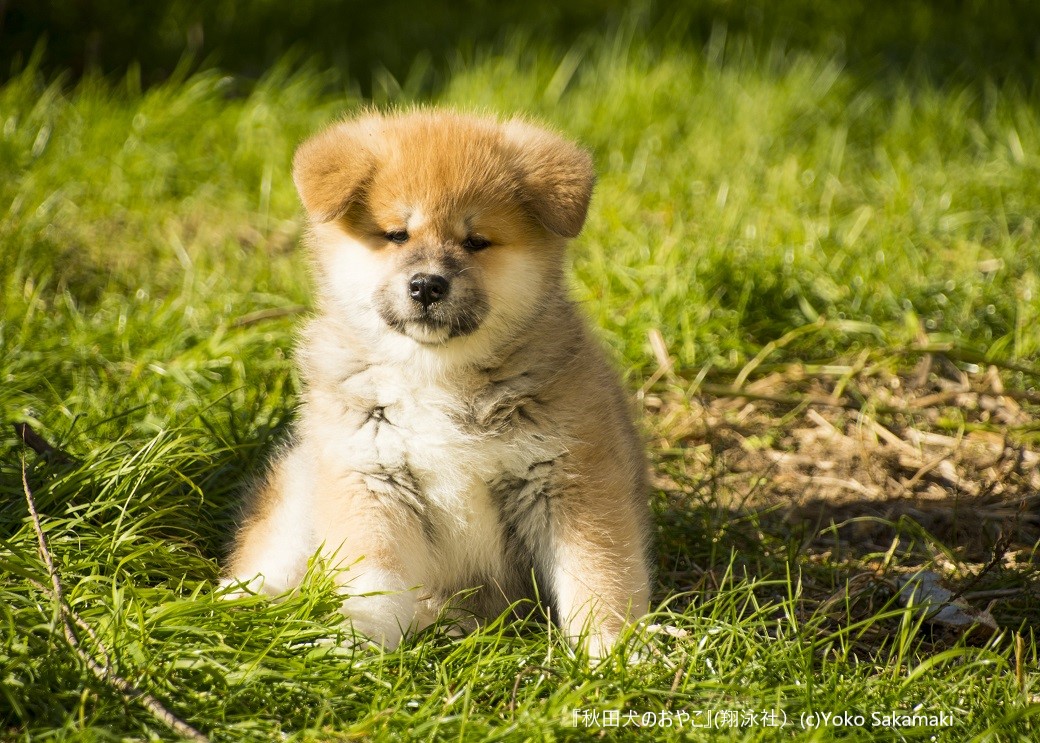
[[821, 285]]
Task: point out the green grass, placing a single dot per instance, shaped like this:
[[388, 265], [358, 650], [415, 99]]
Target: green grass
[[744, 192]]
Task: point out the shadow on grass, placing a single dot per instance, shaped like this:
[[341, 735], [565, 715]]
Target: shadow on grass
[[993, 563], [382, 45]]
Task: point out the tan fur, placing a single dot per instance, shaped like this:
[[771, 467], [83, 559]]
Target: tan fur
[[475, 442]]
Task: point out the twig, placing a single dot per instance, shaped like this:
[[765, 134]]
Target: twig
[[526, 671], [1020, 666], [1000, 550], [823, 423], [995, 593], [41, 446], [716, 390], [106, 660], [971, 357], [269, 314], [938, 398], [665, 363], [68, 617], [837, 482]]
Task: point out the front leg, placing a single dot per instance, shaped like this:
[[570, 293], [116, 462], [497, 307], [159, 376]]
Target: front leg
[[369, 528], [378, 546], [276, 537], [586, 528], [595, 561]]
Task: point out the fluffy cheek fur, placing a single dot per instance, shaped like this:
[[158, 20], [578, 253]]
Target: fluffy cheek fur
[[516, 283]]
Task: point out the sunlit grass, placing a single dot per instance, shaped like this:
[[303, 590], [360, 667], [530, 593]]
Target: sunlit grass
[[743, 193]]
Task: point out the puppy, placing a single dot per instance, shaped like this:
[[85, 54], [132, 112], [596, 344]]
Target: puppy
[[460, 431]]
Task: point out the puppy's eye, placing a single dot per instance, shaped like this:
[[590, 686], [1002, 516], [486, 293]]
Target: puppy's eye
[[474, 243], [397, 236]]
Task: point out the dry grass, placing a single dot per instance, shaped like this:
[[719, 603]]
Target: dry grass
[[881, 468]]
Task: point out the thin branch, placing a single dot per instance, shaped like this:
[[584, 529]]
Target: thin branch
[[715, 390], [526, 671], [68, 617], [971, 357], [272, 313], [1000, 550], [79, 622], [41, 446]]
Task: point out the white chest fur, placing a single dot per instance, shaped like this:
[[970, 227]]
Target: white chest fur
[[437, 450]]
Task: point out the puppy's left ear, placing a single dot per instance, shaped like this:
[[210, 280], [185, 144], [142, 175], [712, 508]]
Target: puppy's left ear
[[557, 177]]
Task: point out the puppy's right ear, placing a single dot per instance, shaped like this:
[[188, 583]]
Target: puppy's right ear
[[331, 169]]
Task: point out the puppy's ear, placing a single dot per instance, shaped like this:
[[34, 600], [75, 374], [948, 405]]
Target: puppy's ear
[[557, 176], [331, 169]]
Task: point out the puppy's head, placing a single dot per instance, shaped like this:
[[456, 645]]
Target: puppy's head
[[438, 226]]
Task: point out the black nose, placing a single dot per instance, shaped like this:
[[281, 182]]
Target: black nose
[[427, 288]]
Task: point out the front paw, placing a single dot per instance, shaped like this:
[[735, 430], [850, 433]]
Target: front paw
[[381, 617], [377, 632], [598, 644]]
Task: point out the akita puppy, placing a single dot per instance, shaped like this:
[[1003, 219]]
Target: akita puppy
[[460, 431]]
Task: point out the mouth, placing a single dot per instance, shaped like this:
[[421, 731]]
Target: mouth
[[434, 328], [426, 332]]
